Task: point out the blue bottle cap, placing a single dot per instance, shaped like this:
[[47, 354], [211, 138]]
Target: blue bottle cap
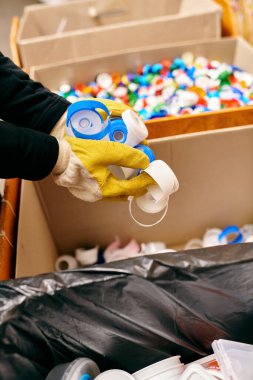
[[156, 68], [118, 131], [85, 377], [178, 62], [145, 149], [146, 69], [88, 106], [160, 113], [144, 114], [190, 72], [231, 230]]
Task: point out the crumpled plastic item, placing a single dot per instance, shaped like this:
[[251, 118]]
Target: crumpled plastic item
[[127, 314], [115, 253], [235, 359]]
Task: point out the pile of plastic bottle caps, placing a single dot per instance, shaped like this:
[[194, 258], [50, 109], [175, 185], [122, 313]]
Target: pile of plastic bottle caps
[[183, 86], [231, 234], [230, 361]]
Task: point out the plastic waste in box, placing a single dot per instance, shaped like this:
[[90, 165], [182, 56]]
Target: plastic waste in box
[[235, 359]]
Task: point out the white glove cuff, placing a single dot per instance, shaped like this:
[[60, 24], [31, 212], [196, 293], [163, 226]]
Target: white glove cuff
[[59, 128], [63, 157]]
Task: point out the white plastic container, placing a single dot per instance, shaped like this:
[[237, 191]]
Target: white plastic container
[[114, 374], [163, 370], [74, 370], [235, 359], [196, 372]]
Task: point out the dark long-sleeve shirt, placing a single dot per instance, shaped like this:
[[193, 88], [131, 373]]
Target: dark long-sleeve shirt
[[29, 112]]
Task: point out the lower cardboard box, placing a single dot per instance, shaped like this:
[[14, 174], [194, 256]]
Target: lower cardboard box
[[215, 173], [234, 51]]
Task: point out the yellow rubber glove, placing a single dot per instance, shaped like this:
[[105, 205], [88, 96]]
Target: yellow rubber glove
[[116, 109], [82, 167]]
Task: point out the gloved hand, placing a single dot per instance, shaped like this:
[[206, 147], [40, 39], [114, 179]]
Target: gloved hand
[[82, 165], [116, 109]]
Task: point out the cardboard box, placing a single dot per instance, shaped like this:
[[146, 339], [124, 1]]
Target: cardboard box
[[43, 20], [144, 24], [215, 173], [231, 50]]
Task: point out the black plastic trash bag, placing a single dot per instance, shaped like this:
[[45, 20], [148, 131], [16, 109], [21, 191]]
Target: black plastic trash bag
[[127, 314]]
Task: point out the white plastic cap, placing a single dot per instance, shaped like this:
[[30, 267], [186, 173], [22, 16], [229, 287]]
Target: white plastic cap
[[104, 80], [211, 238], [66, 262], [114, 374], [87, 256], [137, 130], [157, 196]]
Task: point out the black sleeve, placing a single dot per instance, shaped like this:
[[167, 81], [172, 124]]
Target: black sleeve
[[25, 102], [25, 153]]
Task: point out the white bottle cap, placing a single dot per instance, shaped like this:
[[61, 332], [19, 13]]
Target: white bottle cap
[[153, 247], [157, 196], [188, 58], [137, 130], [104, 80], [211, 238], [187, 98], [86, 122], [201, 62], [66, 262], [214, 104], [87, 257], [120, 92], [65, 88], [114, 374], [203, 82], [227, 94], [193, 244], [247, 231]]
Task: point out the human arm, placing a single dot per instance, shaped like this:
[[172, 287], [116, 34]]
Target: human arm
[[25, 153], [81, 166], [26, 149], [27, 103]]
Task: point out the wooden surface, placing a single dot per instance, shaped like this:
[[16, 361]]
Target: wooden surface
[[10, 201], [172, 126], [228, 25], [8, 228], [13, 41]]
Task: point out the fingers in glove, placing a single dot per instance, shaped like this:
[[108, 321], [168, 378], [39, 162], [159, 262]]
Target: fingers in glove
[[123, 155], [116, 109], [95, 153], [137, 186]]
